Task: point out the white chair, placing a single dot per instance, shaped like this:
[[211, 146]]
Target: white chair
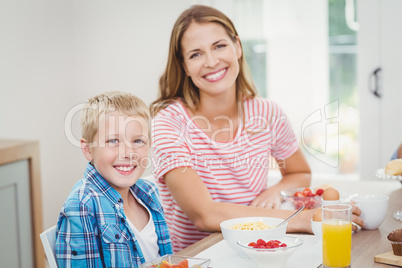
[[48, 238]]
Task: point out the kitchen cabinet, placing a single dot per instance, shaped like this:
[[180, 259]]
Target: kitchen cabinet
[[379, 80], [20, 205]]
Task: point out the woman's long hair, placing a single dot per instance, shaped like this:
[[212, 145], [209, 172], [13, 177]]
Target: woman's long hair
[[174, 84]]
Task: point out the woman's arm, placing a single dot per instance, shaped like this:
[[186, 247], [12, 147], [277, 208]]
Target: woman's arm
[[194, 199], [295, 173]]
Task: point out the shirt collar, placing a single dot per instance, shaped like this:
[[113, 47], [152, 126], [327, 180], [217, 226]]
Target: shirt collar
[[93, 176], [140, 188], [147, 193]]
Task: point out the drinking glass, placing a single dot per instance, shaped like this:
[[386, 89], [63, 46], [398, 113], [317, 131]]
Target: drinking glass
[[336, 235]]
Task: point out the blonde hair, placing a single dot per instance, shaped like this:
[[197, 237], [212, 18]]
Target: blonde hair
[[175, 84], [101, 104]]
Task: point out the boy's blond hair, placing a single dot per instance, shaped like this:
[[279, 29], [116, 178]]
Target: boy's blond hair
[[111, 101]]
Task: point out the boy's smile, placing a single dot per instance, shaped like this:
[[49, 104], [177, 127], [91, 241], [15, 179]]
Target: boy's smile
[[125, 169]]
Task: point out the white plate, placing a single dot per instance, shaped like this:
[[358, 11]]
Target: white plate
[[381, 174]]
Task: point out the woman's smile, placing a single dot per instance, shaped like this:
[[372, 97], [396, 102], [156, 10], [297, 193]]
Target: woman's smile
[[215, 76]]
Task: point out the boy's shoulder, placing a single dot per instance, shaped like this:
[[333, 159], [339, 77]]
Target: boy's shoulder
[[146, 185], [83, 193], [148, 192], [86, 194]]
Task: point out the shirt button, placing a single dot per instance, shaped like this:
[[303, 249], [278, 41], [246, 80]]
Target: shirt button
[[74, 253], [117, 236], [123, 220], [119, 200]]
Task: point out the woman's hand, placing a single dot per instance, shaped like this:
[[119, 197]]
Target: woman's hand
[[356, 219], [295, 173], [270, 198]]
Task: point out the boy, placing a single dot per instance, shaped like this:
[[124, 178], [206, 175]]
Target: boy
[[112, 218]]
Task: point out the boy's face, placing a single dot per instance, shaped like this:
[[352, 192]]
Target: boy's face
[[120, 149]]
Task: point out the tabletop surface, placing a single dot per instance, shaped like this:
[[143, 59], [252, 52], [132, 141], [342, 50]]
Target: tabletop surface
[[365, 243]]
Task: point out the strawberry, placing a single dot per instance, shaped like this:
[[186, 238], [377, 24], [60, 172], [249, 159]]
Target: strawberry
[[319, 192], [306, 191], [298, 194], [261, 242], [268, 244]]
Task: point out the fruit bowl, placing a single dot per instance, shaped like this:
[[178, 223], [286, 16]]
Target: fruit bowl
[[170, 261], [271, 257], [302, 196], [231, 236]]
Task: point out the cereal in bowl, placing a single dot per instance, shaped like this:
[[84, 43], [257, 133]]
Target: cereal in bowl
[[258, 225]]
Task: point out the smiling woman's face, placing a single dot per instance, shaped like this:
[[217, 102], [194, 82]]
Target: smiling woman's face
[[211, 58]]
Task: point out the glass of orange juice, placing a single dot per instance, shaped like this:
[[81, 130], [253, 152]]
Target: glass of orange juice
[[336, 235]]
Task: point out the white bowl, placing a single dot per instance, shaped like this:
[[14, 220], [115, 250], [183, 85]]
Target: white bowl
[[316, 226], [231, 236], [271, 257]]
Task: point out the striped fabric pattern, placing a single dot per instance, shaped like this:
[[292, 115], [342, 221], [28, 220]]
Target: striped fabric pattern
[[92, 230], [234, 172]]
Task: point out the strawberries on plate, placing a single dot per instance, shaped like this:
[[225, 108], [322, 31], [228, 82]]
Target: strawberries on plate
[[260, 243]]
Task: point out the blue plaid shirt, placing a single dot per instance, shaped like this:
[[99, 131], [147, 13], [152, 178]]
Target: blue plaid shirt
[[92, 230]]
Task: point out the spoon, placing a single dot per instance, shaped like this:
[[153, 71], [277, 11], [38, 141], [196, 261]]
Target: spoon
[[291, 216]]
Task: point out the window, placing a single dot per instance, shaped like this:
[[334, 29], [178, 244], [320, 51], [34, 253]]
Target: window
[[302, 54]]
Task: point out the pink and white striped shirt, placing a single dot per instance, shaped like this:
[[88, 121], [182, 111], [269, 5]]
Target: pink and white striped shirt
[[234, 172]]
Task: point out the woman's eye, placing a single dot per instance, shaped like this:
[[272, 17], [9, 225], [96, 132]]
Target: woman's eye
[[220, 46], [195, 55]]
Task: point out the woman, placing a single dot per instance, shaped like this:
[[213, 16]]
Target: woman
[[213, 137]]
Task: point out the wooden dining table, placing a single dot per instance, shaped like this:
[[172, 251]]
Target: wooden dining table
[[366, 244]]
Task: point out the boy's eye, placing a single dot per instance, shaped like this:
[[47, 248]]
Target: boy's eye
[[138, 141], [113, 141]]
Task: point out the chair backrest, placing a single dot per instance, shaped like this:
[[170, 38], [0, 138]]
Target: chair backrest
[[48, 238]]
